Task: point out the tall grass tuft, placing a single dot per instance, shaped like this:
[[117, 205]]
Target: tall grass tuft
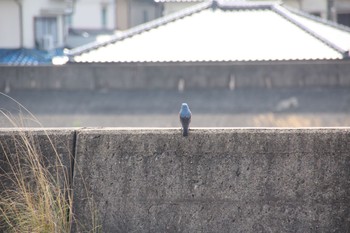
[[35, 193], [35, 198], [35, 188]]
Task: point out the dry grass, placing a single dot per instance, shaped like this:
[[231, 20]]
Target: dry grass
[[34, 199], [35, 188]]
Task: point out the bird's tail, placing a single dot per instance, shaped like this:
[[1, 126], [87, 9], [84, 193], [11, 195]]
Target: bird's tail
[[185, 132]]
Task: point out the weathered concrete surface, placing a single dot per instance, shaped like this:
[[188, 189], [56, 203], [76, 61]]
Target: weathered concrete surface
[[214, 180], [54, 147], [151, 76]]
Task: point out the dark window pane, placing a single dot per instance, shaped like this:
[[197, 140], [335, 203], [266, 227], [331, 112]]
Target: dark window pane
[[344, 19]]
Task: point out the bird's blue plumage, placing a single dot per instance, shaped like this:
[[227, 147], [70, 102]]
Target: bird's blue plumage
[[185, 118]]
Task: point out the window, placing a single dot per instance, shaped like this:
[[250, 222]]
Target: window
[[104, 16], [46, 32], [344, 19], [317, 14]]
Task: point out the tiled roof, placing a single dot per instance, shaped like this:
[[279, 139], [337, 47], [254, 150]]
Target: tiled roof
[[27, 56], [224, 31]]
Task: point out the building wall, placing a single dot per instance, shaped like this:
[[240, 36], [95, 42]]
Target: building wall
[[122, 14], [343, 6], [171, 7], [10, 24], [292, 3], [311, 7], [320, 7], [143, 11], [88, 14], [130, 13]]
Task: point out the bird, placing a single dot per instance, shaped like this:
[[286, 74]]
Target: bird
[[185, 118]]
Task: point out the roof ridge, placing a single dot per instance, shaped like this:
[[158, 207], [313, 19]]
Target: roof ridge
[[142, 28], [222, 4], [281, 11], [248, 4]]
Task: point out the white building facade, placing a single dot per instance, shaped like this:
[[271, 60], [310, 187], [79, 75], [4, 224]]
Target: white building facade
[[10, 24], [43, 24], [93, 15], [33, 24]]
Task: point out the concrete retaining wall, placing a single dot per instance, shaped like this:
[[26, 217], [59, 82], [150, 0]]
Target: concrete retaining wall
[[168, 76], [214, 180]]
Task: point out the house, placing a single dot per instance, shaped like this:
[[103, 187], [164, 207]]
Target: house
[[223, 31], [32, 26], [39, 24]]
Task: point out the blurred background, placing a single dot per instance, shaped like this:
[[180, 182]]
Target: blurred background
[[131, 63]]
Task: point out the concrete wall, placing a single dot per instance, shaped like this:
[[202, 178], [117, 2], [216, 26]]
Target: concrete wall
[[214, 180], [169, 76]]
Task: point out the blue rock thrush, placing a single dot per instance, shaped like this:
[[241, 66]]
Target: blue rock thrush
[[185, 118]]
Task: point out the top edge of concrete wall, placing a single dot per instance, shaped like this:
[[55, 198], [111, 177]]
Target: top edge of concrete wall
[[136, 130], [206, 63], [38, 130]]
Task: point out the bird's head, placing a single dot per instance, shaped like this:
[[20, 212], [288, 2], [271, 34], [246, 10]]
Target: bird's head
[[184, 106]]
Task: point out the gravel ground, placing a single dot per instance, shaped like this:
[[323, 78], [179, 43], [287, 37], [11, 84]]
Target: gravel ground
[[210, 108]]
